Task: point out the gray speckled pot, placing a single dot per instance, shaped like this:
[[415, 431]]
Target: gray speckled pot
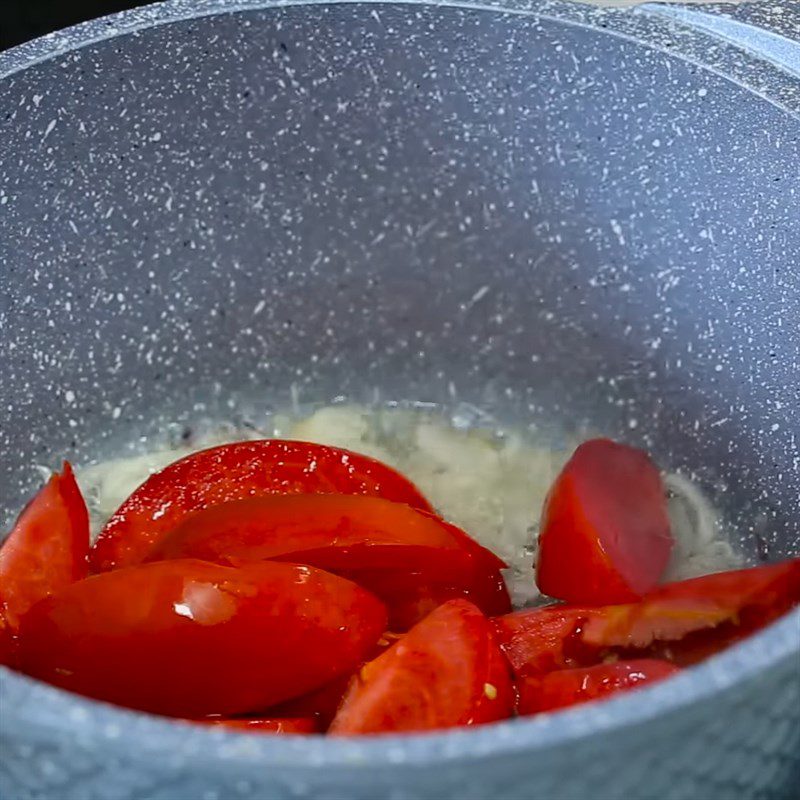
[[205, 203]]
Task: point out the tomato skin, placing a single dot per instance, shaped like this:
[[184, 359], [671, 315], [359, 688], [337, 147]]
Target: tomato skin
[[8, 648], [262, 725], [320, 705], [605, 535], [187, 638], [411, 596], [748, 597], [45, 551], [568, 687], [439, 675], [234, 472], [410, 559], [335, 531], [323, 703]]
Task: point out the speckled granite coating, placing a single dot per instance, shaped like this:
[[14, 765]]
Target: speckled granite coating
[[200, 210]]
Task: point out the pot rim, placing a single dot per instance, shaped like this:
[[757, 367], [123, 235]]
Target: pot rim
[[758, 50]]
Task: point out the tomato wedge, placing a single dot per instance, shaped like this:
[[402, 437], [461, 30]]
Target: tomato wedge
[[234, 472], [749, 597], [538, 640], [605, 535], [330, 531], [447, 671], [320, 705], [411, 559], [568, 687], [411, 596], [8, 648], [45, 551], [187, 638], [694, 647], [683, 622], [265, 724], [323, 703]]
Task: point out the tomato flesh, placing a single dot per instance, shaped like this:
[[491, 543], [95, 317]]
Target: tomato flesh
[[605, 535], [538, 640], [45, 551], [754, 596], [446, 671], [234, 472], [568, 687], [683, 622], [187, 638]]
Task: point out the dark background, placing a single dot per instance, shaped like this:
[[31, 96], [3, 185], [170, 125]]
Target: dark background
[[25, 19]]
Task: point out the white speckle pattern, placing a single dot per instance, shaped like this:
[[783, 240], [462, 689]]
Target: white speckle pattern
[[191, 271]]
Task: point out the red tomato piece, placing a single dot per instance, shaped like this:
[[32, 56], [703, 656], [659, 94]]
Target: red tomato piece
[[411, 559], [682, 622], [323, 703], [45, 551], [499, 695], [187, 638], [537, 640], [748, 597], [8, 648], [568, 687], [234, 472], [265, 724], [329, 531], [411, 596], [694, 647], [445, 672], [320, 705], [605, 535]]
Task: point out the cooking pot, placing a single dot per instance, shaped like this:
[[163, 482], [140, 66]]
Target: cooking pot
[[556, 213]]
